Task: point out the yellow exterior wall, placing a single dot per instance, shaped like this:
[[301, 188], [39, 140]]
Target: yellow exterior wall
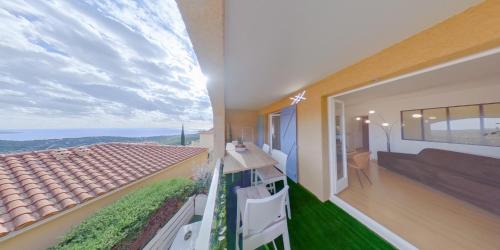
[[477, 29], [48, 233], [207, 140], [239, 119]]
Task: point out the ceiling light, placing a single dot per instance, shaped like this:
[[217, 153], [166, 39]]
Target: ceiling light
[[432, 118], [298, 98], [358, 118], [371, 112], [385, 124], [416, 115], [367, 121]]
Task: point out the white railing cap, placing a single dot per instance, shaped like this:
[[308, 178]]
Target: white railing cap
[[203, 241]]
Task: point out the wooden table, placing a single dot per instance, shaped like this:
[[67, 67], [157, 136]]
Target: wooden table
[[252, 158]]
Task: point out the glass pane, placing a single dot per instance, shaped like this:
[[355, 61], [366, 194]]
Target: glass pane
[[247, 134], [491, 131], [435, 125], [275, 133], [412, 125], [465, 125], [339, 140]]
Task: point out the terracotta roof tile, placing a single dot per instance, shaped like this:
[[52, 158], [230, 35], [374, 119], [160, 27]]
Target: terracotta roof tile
[[37, 185], [7, 192], [11, 198], [68, 203], [83, 196], [39, 196], [3, 231], [48, 211], [17, 211], [23, 220]]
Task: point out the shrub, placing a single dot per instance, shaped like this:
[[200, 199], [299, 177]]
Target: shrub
[[125, 218], [219, 240], [202, 178]]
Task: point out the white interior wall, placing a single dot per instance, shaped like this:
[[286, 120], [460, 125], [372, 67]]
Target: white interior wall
[[354, 132], [474, 92]]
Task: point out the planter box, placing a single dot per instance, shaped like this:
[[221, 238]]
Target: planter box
[[200, 202], [195, 235], [165, 236]]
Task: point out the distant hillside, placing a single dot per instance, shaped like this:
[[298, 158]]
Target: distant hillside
[[24, 146]]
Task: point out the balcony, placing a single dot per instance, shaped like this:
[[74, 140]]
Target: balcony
[[314, 224], [283, 79]]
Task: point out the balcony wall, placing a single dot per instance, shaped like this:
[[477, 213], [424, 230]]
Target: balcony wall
[[475, 30], [239, 120], [47, 233]]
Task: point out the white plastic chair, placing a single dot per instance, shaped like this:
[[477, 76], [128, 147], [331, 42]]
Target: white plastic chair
[[261, 217], [272, 174], [230, 146], [266, 148]]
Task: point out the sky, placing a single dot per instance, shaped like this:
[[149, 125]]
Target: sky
[[98, 64]]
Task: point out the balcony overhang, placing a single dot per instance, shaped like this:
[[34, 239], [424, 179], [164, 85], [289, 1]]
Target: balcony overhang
[[273, 49]]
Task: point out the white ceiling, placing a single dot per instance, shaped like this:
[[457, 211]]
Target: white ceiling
[[469, 74], [273, 48]]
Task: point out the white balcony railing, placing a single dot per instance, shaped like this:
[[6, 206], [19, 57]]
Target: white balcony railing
[[212, 229]]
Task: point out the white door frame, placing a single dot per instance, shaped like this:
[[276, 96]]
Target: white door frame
[[270, 125], [381, 230], [337, 185]]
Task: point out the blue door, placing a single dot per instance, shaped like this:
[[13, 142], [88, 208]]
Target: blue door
[[288, 137]]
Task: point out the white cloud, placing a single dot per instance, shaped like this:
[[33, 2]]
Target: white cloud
[[74, 64]]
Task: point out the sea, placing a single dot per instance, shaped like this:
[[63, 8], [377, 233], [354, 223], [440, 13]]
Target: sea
[[43, 134]]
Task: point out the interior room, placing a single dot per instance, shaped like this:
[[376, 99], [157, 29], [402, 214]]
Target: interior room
[[451, 113]]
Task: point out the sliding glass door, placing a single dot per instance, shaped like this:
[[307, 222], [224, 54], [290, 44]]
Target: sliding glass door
[[338, 156], [274, 131]]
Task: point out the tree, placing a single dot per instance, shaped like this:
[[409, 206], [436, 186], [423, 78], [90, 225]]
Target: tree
[[183, 137]]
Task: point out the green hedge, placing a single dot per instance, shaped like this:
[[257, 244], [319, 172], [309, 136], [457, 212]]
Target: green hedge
[[124, 218], [219, 240]]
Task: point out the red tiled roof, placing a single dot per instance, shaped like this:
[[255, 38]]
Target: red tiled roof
[[37, 185]]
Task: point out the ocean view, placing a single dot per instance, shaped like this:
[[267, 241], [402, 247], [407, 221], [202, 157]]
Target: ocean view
[[44, 134]]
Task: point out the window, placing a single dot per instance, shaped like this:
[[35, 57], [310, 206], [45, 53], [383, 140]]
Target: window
[[435, 124], [275, 132], [477, 124], [465, 125], [491, 116], [412, 124]]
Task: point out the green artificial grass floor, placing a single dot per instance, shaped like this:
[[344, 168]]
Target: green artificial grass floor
[[315, 224]]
